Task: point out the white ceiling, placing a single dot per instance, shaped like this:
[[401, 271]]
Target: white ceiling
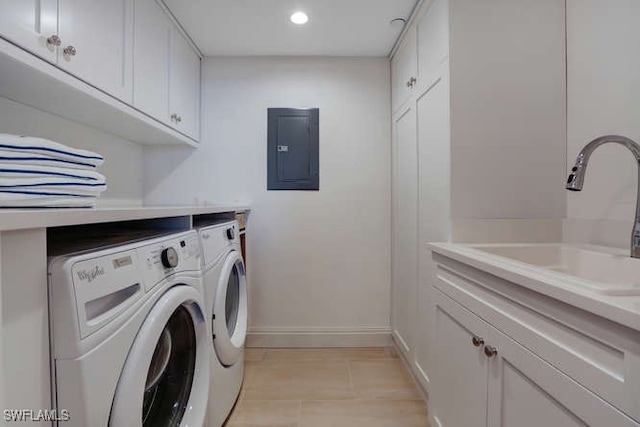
[[262, 27]]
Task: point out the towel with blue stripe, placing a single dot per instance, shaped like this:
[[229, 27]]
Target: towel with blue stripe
[[37, 172]]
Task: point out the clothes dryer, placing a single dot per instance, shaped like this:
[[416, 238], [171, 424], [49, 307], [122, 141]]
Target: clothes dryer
[[129, 339], [225, 291]]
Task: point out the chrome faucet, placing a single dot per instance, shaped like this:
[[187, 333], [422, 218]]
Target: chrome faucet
[[576, 178]]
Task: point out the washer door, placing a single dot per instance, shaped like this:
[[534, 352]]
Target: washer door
[[230, 310], [164, 381]]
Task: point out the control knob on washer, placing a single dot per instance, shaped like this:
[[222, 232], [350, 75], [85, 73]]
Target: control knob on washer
[[230, 233], [169, 257]]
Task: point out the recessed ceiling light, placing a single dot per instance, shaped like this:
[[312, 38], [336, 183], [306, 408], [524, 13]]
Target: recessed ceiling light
[[299, 18]]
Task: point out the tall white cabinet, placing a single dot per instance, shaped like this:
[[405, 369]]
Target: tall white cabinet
[[405, 239], [478, 94], [420, 175]]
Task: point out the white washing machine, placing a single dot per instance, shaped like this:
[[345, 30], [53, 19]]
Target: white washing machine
[[129, 340], [225, 290]]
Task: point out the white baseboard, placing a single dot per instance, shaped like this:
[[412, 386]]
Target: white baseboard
[[405, 358], [318, 337]]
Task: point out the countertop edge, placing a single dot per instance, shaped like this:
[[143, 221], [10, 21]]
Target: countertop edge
[[20, 219], [622, 310]]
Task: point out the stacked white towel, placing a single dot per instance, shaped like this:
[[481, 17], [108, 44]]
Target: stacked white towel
[[36, 172]]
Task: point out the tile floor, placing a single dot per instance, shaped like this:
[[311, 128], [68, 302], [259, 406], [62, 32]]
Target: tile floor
[[328, 387]]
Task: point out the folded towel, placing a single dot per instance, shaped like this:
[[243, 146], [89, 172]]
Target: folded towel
[[66, 190], [53, 193], [42, 201], [17, 170], [44, 146], [79, 186], [28, 158]]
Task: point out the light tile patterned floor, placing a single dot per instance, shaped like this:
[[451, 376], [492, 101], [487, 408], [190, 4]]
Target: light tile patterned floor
[[327, 387]]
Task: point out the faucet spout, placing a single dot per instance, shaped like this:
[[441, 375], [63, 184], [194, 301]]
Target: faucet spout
[[575, 180]]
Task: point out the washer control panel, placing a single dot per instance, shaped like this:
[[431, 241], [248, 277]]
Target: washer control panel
[[164, 258]]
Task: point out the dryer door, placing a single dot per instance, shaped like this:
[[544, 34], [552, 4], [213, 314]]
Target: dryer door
[[230, 310], [165, 379]]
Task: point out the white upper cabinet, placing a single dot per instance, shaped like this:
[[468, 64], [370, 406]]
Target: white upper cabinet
[[184, 86], [123, 66], [404, 70], [97, 43], [32, 24], [166, 70], [151, 55]]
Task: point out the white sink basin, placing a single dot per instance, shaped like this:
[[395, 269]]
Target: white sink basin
[[602, 270]]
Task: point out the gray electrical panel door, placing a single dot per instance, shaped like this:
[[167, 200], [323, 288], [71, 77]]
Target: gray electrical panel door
[[293, 149]]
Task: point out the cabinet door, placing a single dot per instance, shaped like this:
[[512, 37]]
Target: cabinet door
[[405, 242], [97, 43], [525, 391], [459, 384], [152, 33], [29, 23], [434, 224], [404, 65], [433, 38], [184, 86]]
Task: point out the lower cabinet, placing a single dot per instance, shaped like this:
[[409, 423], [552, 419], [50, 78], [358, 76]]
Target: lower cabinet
[[482, 377], [459, 381]]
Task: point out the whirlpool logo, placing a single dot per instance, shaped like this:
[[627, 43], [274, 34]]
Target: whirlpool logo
[[90, 275]]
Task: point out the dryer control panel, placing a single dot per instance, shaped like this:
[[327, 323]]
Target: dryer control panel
[[215, 240]]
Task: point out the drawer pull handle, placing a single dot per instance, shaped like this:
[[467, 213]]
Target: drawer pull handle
[[490, 351], [477, 341]]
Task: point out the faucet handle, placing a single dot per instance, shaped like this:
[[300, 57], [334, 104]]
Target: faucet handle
[[635, 240]]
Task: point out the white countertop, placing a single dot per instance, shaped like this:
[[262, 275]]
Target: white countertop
[[621, 309], [17, 219]]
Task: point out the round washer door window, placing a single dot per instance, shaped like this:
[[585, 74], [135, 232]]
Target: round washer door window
[[161, 384], [230, 310]]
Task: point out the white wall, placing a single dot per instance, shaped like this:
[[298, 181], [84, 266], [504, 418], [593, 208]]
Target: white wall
[[507, 109], [603, 98], [318, 261], [123, 159]]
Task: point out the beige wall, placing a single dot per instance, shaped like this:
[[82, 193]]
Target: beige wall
[[319, 262], [603, 98], [507, 109]]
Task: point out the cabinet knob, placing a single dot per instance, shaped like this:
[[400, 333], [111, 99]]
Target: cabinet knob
[[53, 40], [174, 117], [179, 119], [477, 341], [490, 351], [70, 51], [412, 81]]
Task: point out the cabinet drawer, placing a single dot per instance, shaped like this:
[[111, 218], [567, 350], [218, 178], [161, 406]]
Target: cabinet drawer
[[601, 355]]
